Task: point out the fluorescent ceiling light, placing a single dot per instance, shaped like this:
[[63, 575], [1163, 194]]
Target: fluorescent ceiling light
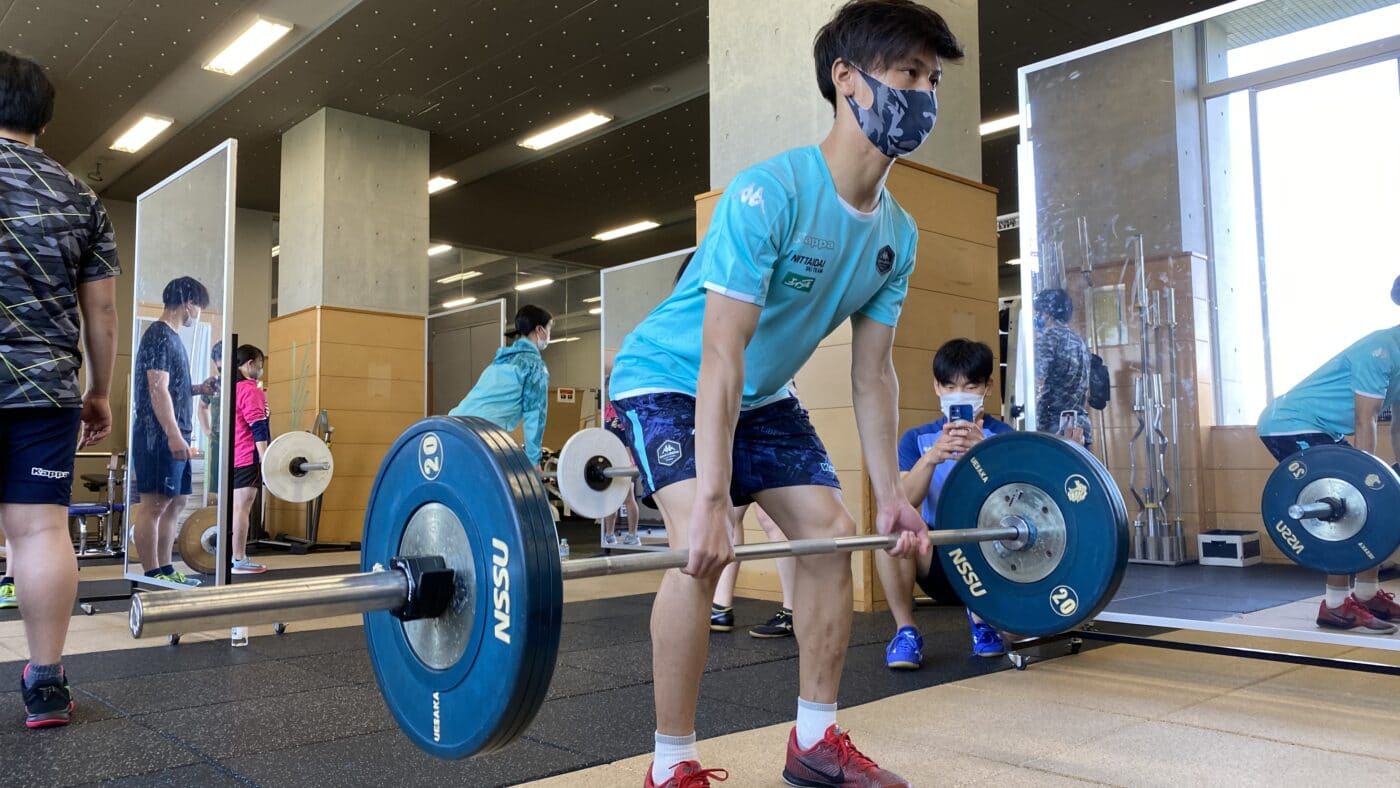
[[593, 300], [456, 302], [597, 310], [439, 182], [562, 341], [437, 249], [146, 129], [569, 128], [462, 277], [1000, 124], [534, 283], [260, 35], [631, 229], [276, 250]]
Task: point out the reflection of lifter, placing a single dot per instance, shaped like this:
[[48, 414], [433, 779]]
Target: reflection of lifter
[[57, 259], [250, 438], [162, 428], [1061, 369], [1342, 397]]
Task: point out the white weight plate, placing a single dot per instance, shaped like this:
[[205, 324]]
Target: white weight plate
[[573, 464], [277, 472]]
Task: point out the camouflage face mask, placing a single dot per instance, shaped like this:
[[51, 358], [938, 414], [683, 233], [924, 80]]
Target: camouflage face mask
[[898, 121]]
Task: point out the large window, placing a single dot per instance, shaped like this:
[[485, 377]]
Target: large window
[[1305, 191]]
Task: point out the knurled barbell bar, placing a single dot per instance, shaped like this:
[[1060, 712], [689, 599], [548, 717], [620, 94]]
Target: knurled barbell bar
[[461, 582]]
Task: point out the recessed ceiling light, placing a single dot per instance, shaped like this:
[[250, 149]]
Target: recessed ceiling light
[[999, 124], [260, 35], [437, 249], [569, 128], [142, 132], [462, 277], [438, 183], [276, 250], [593, 300], [456, 302], [631, 229], [534, 283], [597, 310]]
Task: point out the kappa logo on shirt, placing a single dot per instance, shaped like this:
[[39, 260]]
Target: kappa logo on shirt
[[751, 197], [668, 453], [884, 260]]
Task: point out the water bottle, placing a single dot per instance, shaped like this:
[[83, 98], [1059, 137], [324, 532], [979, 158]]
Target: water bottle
[[563, 549], [240, 636]]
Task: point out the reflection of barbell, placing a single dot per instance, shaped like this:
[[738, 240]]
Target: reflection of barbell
[[461, 583], [1332, 508], [297, 467]]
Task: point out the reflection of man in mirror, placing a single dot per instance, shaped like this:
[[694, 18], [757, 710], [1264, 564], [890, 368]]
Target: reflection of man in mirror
[[1061, 369], [162, 429], [1343, 397], [58, 258], [209, 415]]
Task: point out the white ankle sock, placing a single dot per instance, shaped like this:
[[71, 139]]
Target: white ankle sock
[[1336, 596], [812, 721], [671, 750], [1366, 589]]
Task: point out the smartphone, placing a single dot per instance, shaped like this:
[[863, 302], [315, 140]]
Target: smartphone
[[1069, 419], [960, 413]]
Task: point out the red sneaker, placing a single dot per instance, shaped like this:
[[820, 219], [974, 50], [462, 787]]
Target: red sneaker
[[835, 762], [1382, 605], [1352, 615], [688, 774]]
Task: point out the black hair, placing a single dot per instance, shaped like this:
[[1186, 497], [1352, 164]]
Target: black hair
[[26, 95], [527, 319], [1054, 302], [1395, 291], [963, 358], [243, 355], [684, 265], [216, 353], [870, 34], [185, 290]]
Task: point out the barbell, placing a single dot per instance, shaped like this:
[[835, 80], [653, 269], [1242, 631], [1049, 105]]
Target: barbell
[[461, 585], [1333, 508], [296, 467]]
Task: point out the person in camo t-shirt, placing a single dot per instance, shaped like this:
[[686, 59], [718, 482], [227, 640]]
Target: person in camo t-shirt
[[58, 258]]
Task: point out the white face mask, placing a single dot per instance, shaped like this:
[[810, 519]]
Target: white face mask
[[947, 401]]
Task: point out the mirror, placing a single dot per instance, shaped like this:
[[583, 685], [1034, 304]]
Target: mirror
[[461, 343], [1197, 209], [179, 455]]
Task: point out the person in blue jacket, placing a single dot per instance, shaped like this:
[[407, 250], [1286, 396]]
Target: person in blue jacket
[[962, 374], [515, 387]]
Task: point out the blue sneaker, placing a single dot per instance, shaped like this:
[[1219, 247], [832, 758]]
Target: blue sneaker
[[986, 642], [905, 651]]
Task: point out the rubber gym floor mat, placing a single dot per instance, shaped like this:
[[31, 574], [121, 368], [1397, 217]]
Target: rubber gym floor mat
[[302, 709], [1213, 593]]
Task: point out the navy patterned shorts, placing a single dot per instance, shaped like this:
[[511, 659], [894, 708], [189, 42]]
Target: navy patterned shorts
[[774, 446]]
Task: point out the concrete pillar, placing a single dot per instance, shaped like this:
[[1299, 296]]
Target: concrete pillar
[[764, 100], [352, 296], [763, 88]]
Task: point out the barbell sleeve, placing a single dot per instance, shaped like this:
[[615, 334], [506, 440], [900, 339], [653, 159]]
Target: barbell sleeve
[[307, 467], [621, 472], [1326, 509], [168, 612]]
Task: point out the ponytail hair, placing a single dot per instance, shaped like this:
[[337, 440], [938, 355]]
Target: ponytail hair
[[527, 319]]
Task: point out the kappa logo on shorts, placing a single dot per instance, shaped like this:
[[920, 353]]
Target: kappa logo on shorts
[[668, 453], [884, 261], [45, 473]]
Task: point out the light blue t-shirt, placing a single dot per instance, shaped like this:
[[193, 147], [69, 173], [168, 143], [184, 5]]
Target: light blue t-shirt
[[1324, 400], [781, 238]]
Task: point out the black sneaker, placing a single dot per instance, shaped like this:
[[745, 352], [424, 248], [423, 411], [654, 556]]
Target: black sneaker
[[779, 626], [721, 619], [47, 703]]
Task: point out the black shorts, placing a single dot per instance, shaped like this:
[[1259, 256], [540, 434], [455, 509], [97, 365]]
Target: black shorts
[[774, 445], [157, 471], [247, 476], [37, 447], [1284, 446]]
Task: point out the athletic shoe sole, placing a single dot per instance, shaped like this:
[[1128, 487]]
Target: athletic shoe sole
[[767, 636], [903, 665], [57, 720], [248, 571], [989, 654], [721, 628], [1356, 628]]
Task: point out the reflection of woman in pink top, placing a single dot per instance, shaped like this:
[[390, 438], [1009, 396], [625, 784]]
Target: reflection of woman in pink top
[[250, 438]]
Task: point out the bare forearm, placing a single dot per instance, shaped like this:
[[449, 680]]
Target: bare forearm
[[1395, 434], [876, 396], [164, 409], [96, 302], [717, 399], [915, 483]]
